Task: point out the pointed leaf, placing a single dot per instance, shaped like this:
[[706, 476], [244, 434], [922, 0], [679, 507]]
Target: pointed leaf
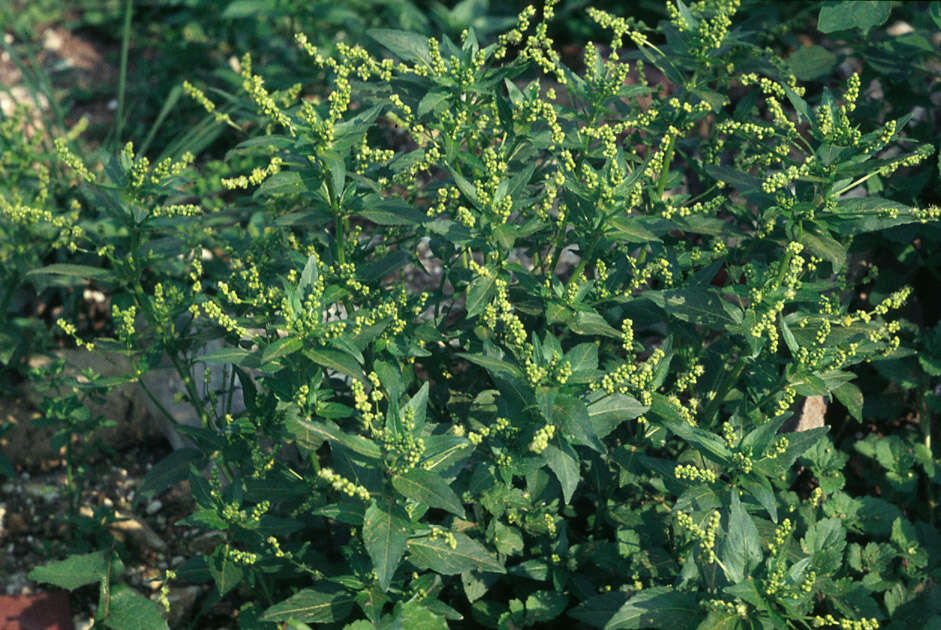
[[321, 605], [437, 555], [565, 465], [385, 530], [429, 488]]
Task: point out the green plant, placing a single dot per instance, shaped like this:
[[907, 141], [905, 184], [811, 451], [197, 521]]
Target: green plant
[[576, 421]]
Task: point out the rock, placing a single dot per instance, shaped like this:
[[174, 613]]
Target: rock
[[139, 532], [808, 414], [182, 601]]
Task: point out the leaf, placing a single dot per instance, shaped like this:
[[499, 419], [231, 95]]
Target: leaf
[[429, 488], [860, 14], [572, 415], [658, 607], [225, 356], [432, 99], [390, 211], [129, 609], [281, 348], [597, 610], [934, 10], [313, 605], [852, 398], [607, 413], [77, 271], [629, 229], [74, 571], [329, 431], [436, 554], [385, 530], [811, 62], [740, 552], [543, 606], [403, 44], [819, 242], [479, 293], [592, 324], [697, 306], [416, 615], [565, 465], [335, 360], [493, 365], [172, 469], [226, 572]]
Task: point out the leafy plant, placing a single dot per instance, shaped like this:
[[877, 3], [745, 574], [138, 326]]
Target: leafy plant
[[530, 333]]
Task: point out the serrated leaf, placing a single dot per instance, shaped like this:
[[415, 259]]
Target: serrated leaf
[[811, 62], [859, 14], [281, 348], [405, 45], [320, 605], [226, 572], [129, 609], [431, 100], [436, 554], [429, 488], [852, 398], [385, 530], [74, 571]]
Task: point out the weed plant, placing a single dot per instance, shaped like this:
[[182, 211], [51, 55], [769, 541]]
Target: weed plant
[[577, 421]]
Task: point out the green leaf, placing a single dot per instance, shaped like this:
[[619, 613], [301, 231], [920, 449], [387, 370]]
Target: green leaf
[[860, 14], [608, 412], [74, 571], [327, 430], [313, 605], [934, 10], [479, 293], [564, 463], [129, 609], [281, 348], [415, 615], [493, 365], [629, 229], [85, 272], [226, 356], [336, 360], [226, 572], [572, 415], [820, 242], [592, 324], [432, 99], [811, 62], [429, 488], [406, 46], [740, 552], [852, 398], [658, 607], [172, 469], [436, 554], [697, 306], [390, 211], [544, 606], [385, 530], [597, 610]]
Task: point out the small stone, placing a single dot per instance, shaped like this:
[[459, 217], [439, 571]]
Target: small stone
[[154, 506], [16, 524]]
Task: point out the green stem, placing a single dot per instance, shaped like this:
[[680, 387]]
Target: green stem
[[729, 380], [122, 77], [665, 169]]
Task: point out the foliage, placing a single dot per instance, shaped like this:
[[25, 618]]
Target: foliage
[[577, 419]]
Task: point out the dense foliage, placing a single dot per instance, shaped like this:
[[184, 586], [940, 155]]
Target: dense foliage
[[517, 336]]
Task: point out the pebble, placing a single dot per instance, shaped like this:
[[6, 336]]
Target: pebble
[[154, 506]]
